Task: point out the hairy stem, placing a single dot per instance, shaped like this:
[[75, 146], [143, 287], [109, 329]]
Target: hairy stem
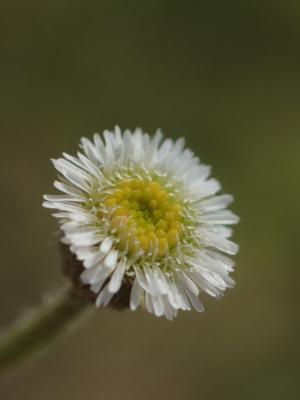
[[37, 330]]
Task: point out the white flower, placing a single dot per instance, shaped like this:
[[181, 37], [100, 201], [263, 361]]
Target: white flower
[[143, 210]]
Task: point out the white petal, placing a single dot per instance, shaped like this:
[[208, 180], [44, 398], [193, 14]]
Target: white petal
[[224, 217], [148, 303], [90, 166], [93, 259], [203, 284], [196, 303], [185, 304], [216, 203], [172, 298], [63, 187], [75, 216], [104, 297], [189, 284], [101, 274], [143, 281], [83, 252], [117, 277], [220, 243], [111, 259], [225, 261], [86, 239], [73, 174], [62, 198], [106, 245], [180, 297], [154, 282], [95, 288], [221, 230], [135, 295], [99, 255], [64, 206], [158, 305], [170, 312], [90, 150]]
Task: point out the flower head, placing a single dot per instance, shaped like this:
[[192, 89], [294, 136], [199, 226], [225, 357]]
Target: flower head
[[143, 210]]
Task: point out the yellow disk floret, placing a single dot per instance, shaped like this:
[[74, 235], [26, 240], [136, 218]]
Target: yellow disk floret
[[144, 217]]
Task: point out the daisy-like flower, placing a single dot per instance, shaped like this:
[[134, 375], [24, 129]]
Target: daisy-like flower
[[143, 211]]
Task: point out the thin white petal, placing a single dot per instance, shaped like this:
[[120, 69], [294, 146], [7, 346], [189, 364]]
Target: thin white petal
[[223, 217], [111, 259], [148, 303], [99, 255], [104, 297], [196, 303], [220, 243], [154, 282], [158, 305], [117, 277], [135, 295], [189, 284], [216, 203]]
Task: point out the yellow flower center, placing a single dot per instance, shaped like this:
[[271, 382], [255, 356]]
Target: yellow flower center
[[144, 217]]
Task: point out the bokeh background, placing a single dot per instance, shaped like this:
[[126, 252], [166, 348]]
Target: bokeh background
[[224, 74]]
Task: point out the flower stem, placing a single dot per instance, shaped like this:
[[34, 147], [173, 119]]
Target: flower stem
[[37, 330]]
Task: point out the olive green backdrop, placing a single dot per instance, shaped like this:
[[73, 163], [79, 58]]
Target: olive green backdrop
[[224, 74]]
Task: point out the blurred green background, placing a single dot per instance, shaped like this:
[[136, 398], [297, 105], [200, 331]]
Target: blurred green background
[[224, 74]]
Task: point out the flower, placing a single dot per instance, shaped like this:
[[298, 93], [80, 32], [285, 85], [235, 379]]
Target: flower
[[143, 210]]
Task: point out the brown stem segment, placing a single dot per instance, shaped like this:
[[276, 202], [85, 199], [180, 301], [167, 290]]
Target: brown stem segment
[[40, 329]]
